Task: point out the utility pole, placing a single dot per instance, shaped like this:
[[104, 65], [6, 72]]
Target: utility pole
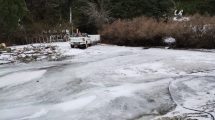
[[70, 18], [70, 14]]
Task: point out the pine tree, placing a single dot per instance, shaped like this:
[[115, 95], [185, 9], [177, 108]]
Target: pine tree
[[46, 11], [135, 8], [11, 13]]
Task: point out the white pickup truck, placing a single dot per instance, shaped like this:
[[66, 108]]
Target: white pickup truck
[[84, 42]]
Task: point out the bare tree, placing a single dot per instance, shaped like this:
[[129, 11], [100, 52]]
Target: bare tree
[[97, 12]]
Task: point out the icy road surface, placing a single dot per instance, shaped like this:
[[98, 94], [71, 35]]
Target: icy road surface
[[107, 82]]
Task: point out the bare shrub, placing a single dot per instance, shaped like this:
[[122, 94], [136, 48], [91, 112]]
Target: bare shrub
[[199, 32]]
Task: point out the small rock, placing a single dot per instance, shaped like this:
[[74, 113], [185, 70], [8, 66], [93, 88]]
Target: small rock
[[145, 47], [3, 46]]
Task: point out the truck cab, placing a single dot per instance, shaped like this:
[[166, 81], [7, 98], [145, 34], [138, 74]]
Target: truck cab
[[80, 41], [83, 41]]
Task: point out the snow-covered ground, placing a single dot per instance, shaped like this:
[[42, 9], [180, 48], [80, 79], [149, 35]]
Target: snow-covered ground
[[106, 82]]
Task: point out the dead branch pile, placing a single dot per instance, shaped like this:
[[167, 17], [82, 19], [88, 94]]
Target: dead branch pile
[[30, 53]]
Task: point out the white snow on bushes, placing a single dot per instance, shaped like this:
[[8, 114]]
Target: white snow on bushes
[[169, 40]]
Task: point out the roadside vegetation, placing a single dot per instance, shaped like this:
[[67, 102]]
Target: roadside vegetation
[[199, 32]]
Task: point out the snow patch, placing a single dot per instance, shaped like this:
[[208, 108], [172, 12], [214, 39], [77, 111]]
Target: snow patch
[[149, 68], [20, 78], [75, 104], [36, 115], [183, 19], [169, 40]]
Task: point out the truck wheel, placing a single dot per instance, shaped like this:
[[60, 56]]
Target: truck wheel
[[84, 46], [72, 46]]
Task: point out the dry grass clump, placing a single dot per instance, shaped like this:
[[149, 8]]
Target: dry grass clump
[[199, 32]]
